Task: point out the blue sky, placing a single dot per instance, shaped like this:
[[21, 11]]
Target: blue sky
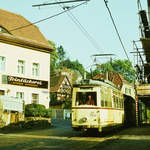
[[95, 19]]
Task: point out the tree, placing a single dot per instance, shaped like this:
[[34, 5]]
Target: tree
[[53, 58], [106, 67], [73, 65], [123, 67], [61, 53], [59, 61]]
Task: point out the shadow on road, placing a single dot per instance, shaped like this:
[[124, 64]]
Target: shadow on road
[[61, 137]]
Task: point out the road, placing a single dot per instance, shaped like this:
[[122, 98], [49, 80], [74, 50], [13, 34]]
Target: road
[[61, 137]]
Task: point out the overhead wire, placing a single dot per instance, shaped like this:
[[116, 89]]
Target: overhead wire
[[55, 15], [106, 1], [81, 27], [90, 38]]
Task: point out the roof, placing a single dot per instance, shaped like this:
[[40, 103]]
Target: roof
[[56, 81], [115, 78], [19, 27]]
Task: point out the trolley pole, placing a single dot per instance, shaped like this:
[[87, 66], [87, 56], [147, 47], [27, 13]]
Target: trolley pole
[[62, 2]]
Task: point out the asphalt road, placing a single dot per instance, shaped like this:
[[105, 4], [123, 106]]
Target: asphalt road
[[61, 137]]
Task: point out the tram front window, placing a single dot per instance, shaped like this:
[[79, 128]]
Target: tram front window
[[86, 98]]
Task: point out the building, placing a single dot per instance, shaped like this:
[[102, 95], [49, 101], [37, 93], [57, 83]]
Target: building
[[73, 75], [61, 86], [24, 60]]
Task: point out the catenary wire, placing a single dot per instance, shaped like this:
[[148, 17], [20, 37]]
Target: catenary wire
[[116, 29], [55, 15], [82, 28]]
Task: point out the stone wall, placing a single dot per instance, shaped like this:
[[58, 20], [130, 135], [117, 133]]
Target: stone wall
[[37, 118], [7, 117]]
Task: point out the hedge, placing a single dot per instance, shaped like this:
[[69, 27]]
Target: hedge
[[37, 110]]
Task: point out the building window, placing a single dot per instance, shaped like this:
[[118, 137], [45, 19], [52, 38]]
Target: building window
[[2, 63], [35, 69], [35, 98], [126, 91], [2, 92], [21, 67], [20, 95]]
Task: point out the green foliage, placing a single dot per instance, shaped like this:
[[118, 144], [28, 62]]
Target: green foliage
[[59, 60], [73, 65], [67, 105], [53, 45], [93, 73], [54, 101], [106, 67], [35, 110], [61, 53], [53, 58], [123, 67], [48, 113]]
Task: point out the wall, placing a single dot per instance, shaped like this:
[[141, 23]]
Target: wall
[[13, 54]]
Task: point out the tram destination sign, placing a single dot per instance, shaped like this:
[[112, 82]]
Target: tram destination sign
[[24, 82]]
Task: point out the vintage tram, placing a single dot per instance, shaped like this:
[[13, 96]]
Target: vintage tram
[[106, 110]]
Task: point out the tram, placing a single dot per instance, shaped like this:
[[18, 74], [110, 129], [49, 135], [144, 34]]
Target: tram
[[105, 110]]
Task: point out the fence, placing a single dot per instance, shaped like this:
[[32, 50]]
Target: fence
[[61, 113]]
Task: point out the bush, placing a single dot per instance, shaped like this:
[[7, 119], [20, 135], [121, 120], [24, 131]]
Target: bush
[[67, 105], [35, 110], [48, 113], [22, 125]]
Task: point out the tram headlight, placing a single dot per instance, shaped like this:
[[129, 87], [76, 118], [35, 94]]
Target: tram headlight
[[84, 119]]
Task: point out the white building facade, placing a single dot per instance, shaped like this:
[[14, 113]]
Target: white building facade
[[24, 66]]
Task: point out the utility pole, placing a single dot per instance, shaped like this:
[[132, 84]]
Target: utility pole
[[60, 2]]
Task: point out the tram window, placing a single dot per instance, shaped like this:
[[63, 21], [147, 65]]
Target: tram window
[[114, 97], [102, 98], [115, 101], [106, 100], [118, 100], [121, 103], [83, 98], [102, 103]]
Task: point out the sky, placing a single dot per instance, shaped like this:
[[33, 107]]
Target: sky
[[95, 19]]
